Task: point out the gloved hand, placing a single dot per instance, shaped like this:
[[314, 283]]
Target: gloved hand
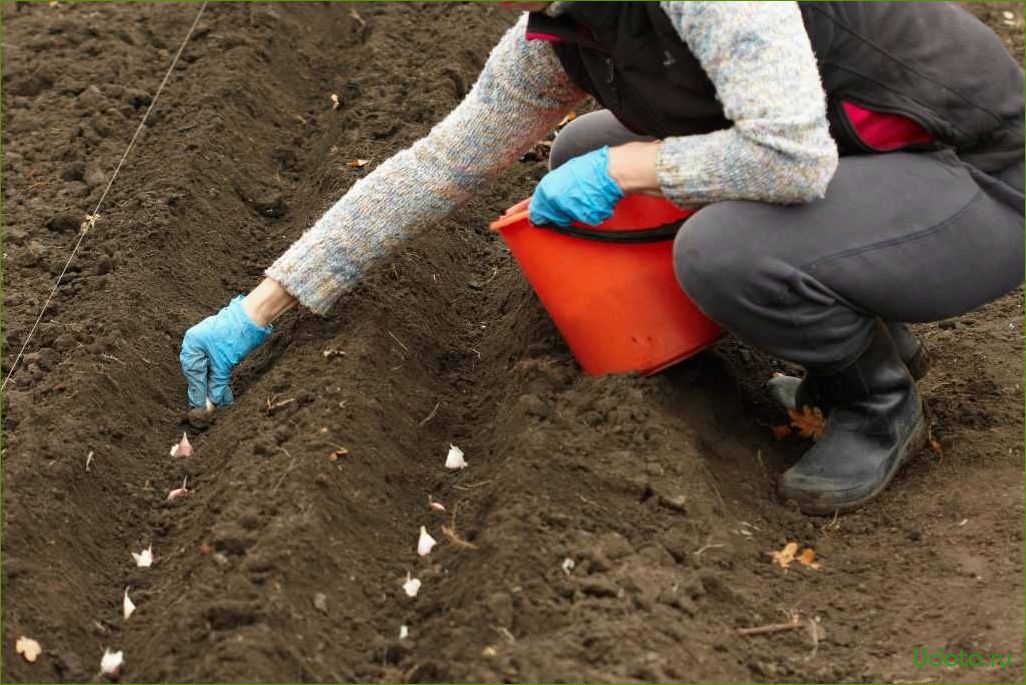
[[579, 190], [215, 346]]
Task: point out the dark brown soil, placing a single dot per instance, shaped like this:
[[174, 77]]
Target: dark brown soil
[[243, 152]]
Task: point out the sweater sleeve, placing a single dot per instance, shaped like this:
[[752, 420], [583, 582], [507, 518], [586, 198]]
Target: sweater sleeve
[[779, 149], [522, 92]]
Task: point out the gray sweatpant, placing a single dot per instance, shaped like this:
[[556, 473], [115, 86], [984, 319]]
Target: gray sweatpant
[[910, 237]]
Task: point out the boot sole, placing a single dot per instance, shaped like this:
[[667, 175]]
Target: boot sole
[[915, 441]]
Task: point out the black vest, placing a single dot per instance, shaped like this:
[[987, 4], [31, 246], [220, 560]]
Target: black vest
[[932, 62]]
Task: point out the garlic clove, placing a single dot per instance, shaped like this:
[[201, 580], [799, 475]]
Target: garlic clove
[[112, 662], [182, 448], [412, 586], [455, 460], [128, 606], [144, 559], [425, 543]]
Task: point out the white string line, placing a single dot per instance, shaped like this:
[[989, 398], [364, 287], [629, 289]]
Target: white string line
[[91, 218]]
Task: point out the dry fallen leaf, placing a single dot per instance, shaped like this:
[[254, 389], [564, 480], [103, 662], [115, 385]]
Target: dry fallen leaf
[[338, 454], [782, 431], [570, 116], [784, 557], [809, 421], [404, 632], [358, 163], [435, 506], [935, 446], [807, 558], [28, 648], [335, 103]]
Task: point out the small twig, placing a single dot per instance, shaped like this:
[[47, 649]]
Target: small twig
[[431, 415], [505, 632], [112, 358], [762, 465], [356, 15], [271, 408], [591, 502], [698, 552], [472, 485], [89, 460], [831, 525], [281, 478], [495, 272], [712, 482], [112, 381], [455, 538], [450, 531], [140, 356], [794, 623], [405, 348], [814, 632]]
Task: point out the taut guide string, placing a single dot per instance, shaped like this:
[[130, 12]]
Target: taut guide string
[[92, 218]]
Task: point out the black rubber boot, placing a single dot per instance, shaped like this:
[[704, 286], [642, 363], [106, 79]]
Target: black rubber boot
[[875, 423], [791, 392], [910, 349]]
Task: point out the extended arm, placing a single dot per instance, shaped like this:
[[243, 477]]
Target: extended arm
[[521, 93]]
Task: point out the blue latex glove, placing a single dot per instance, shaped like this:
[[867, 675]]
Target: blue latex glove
[[215, 346], [579, 190]]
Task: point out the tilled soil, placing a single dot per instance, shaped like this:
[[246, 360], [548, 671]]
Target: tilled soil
[[285, 565]]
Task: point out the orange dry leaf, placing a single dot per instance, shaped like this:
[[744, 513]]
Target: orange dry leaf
[[809, 421], [358, 163], [807, 558], [936, 447], [782, 431], [28, 648], [338, 454], [784, 557], [570, 116]]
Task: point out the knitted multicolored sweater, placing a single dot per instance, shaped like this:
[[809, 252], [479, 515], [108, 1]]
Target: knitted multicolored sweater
[[757, 55]]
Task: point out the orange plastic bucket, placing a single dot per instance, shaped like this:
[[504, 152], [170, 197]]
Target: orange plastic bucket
[[611, 289]]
